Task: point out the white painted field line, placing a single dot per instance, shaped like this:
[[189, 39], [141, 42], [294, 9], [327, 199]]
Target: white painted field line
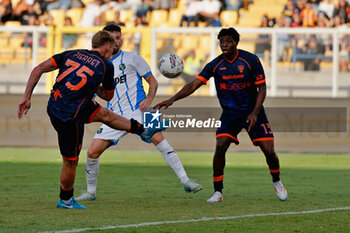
[[204, 219]]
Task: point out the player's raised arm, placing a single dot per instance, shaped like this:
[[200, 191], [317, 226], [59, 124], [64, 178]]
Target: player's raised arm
[[34, 78], [152, 90], [187, 90]]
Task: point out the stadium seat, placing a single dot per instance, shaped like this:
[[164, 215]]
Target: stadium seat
[[12, 24], [158, 18], [127, 17], [228, 18], [174, 17], [108, 16], [75, 14], [58, 17]]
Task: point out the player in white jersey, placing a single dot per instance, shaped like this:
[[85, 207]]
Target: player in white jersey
[[130, 101]]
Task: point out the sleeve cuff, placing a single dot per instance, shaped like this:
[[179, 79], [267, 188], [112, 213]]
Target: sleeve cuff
[[204, 80]]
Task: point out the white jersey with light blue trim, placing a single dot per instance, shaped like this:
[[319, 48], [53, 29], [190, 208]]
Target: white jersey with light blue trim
[[129, 68]]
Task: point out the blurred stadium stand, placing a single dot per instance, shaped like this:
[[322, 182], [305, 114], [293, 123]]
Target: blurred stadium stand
[[18, 52]]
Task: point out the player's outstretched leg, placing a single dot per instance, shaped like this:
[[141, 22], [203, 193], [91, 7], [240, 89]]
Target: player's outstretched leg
[[267, 148], [219, 161], [149, 132], [172, 159]]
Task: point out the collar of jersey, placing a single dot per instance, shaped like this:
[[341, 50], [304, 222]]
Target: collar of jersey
[[233, 58], [118, 54]]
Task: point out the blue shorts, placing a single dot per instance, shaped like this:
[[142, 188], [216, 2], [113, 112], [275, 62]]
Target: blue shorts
[[70, 133], [232, 122]]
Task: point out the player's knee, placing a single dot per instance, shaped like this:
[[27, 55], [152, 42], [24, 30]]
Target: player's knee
[[71, 163], [93, 154], [157, 138]]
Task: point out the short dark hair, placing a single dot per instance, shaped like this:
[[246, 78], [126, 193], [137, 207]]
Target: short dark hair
[[112, 27], [101, 38], [229, 32]]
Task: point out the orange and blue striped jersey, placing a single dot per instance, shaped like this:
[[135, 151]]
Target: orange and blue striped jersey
[[236, 81], [80, 74]]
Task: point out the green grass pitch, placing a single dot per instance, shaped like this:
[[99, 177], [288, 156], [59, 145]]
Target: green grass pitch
[[138, 187]]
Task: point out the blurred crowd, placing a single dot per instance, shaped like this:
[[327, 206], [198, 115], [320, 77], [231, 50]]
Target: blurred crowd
[[309, 49], [206, 11]]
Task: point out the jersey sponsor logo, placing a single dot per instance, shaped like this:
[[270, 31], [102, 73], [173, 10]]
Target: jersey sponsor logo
[[241, 68], [222, 68], [234, 76], [99, 131], [259, 77], [56, 93], [122, 66], [234, 86], [121, 79]]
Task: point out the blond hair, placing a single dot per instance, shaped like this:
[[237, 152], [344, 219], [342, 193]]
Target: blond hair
[[101, 38]]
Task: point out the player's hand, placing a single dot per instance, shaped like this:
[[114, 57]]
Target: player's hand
[[145, 105], [23, 107], [165, 104], [252, 119]]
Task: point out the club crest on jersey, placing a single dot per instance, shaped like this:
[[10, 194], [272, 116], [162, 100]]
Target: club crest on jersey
[[99, 131], [122, 66], [241, 68]]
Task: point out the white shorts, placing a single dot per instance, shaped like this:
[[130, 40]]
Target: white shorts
[[109, 134]]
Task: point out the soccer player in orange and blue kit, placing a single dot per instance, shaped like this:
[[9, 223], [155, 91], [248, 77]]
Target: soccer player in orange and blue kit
[[241, 89], [71, 103]]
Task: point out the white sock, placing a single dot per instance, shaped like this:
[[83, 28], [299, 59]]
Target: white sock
[[172, 160], [91, 171]]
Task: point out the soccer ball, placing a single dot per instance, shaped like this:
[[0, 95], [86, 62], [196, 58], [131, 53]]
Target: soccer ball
[[171, 65]]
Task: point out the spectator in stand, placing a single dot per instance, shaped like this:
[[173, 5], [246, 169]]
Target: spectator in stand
[[117, 19], [283, 39], [164, 4], [77, 4], [192, 10], [263, 43], [299, 6], [344, 48], [108, 5], [143, 8], [19, 10], [137, 37], [342, 9], [92, 14], [209, 13], [60, 4], [128, 4], [29, 12], [326, 7], [6, 11], [326, 39], [288, 10], [344, 54], [193, 65], [296, 21], [43, 5], [314, 5], [316, 47], [68, 39], [313, 51], [234, 5], [308, 15]]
